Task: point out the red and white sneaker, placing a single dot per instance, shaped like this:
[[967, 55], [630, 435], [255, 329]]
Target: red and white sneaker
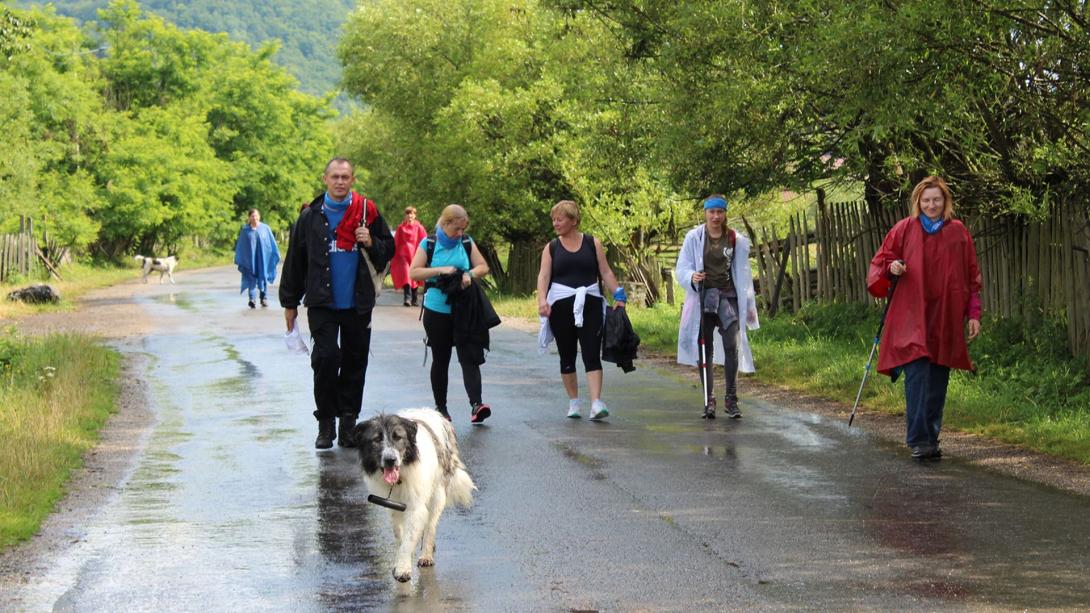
[[481, 412]]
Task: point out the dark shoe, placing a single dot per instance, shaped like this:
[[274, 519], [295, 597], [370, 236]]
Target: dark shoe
[[406, 302], [252, 305], [264, 303], [326, 431], [344, 432], [922, 452], [480, 412], [444, 413], [709, 410], [936, 453], [731, 408]]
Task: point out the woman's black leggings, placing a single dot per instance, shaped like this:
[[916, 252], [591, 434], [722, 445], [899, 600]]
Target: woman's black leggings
[[588, 338], [730, 352], [440, 330]]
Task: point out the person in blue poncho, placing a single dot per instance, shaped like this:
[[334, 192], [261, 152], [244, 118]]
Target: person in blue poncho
[[256, 256]]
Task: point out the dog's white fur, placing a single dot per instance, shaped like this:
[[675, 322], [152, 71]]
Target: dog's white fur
[[164, 266], [423, 487]]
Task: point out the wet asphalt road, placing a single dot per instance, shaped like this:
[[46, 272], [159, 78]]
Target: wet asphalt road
[[230, 508]]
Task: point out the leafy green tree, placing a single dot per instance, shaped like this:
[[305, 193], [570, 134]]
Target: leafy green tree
[[455, 85], [13, 32], [57, 131], [165, 183], [268, 140]]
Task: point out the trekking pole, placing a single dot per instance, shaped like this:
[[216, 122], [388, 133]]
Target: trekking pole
[[874, 347], [701, 360]]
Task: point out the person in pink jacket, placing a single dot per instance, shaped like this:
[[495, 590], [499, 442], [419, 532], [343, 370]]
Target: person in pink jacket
[[407, 238]]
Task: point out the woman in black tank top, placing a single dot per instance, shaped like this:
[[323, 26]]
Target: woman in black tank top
[[569, 263]]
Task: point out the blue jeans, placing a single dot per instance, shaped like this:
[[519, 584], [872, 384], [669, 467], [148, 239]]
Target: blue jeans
[[925, 397]]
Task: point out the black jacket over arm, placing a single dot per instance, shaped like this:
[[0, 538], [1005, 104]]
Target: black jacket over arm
[[306, 277], [619, 340]]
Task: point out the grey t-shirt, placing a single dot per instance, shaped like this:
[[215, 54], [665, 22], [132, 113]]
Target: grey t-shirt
[[718, 259]]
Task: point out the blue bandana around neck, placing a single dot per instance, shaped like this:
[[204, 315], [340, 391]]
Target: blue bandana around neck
[[444, 240], [329, 201], [929, 226]]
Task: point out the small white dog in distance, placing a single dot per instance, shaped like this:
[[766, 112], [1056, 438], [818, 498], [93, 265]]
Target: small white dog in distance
[[412, 458], [164, 266]]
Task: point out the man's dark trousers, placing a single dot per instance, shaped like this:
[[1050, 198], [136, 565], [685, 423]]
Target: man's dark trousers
[[339, 371]]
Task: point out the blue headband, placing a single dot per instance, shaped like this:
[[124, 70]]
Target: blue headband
[[715, 203]]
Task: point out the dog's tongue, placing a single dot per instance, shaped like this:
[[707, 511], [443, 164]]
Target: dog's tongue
[[391, 475]]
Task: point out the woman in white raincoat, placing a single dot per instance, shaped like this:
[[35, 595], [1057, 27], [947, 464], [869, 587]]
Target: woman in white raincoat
[[715, 259]]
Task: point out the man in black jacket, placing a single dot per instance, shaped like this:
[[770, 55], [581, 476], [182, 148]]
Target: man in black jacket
[[326, 272]]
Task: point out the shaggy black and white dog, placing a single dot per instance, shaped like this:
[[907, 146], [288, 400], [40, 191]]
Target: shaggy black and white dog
[[412, 458], [164, 266]]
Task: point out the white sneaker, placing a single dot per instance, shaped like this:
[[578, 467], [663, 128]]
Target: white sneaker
[[598, 410], [574, 407]]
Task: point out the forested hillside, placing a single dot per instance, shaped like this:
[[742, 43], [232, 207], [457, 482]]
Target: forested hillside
[[307, 29], [147, 135]]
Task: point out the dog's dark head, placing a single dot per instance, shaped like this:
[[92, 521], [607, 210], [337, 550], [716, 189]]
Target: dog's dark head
[[386, 443]]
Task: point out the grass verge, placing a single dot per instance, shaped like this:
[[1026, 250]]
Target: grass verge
[[56, 392], [1027, 391]]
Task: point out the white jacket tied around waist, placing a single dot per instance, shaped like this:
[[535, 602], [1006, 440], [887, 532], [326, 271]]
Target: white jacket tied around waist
[[560, 292], [690, 261]]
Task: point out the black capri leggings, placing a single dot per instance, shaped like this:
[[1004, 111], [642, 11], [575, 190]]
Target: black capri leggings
[[440, 330], [589, 337]]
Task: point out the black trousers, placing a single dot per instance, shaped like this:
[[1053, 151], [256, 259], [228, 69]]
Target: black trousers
[[588, 337], [440, 330], [339, 370]]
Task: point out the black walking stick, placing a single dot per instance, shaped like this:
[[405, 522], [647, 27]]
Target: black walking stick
[[701, 359], [874, 347]]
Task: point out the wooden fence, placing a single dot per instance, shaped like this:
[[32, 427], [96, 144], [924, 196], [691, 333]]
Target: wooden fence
[[1028, 269], [18, 252]]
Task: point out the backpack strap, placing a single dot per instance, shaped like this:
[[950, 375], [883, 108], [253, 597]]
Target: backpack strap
[[429, 249]]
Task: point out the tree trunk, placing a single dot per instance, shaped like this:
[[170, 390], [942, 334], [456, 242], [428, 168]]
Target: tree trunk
[[523, 264]]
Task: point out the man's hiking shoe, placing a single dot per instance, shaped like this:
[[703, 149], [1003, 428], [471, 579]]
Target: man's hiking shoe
[[575, 406], [598, 410], [444, 413], [327, 430], [480, 412], [345, 427], [709, 410], [252, 305]]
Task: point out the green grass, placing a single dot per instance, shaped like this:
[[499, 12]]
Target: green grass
[[56, 392], [1028, 390]]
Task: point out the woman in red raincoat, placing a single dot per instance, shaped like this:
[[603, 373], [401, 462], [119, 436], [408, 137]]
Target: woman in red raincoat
[[938, 290], [407, 238]]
